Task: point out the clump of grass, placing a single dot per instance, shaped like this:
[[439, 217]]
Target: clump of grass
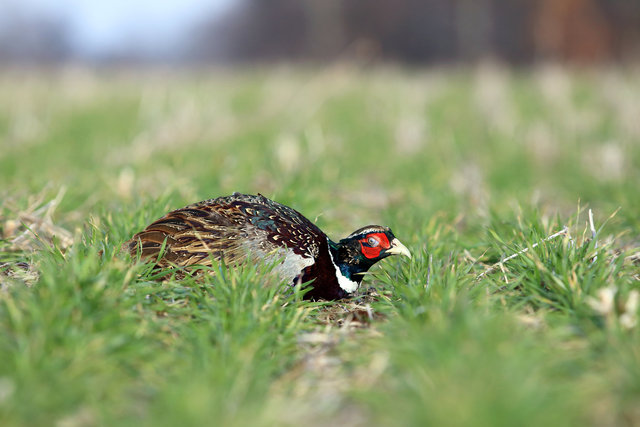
[[559, 273]]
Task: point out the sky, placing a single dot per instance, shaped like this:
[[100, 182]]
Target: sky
[[102, 26]]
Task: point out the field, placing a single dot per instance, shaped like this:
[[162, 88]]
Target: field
[[513, 311]]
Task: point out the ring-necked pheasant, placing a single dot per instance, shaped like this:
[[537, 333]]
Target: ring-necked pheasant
[[241, 226]]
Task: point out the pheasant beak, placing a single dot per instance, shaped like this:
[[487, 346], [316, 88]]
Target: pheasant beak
[[398, 248]]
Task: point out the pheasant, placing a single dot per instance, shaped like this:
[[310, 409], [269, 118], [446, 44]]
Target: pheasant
[[241, 228]]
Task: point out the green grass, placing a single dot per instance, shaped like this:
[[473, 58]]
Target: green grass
[[467, 166]]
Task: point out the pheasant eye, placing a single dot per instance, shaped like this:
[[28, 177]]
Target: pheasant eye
[[373, 242]]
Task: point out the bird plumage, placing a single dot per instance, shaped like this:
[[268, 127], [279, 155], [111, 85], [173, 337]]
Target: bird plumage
[[240, 227]]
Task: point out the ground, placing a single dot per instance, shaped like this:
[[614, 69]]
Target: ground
[[467, 166]]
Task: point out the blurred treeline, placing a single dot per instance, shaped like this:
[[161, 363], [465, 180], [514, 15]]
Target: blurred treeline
[[425, 31], [408, 31]]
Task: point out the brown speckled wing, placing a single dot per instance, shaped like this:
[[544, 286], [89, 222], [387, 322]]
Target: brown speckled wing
[[226, 228]]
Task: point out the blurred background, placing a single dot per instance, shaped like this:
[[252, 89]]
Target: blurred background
[[473, 128], [236, 31], [524, 99]]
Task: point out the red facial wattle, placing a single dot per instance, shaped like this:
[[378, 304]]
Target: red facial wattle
[[370, 252], [373, 252]]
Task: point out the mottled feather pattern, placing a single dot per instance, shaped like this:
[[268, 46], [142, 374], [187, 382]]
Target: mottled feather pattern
[[218, 227]]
